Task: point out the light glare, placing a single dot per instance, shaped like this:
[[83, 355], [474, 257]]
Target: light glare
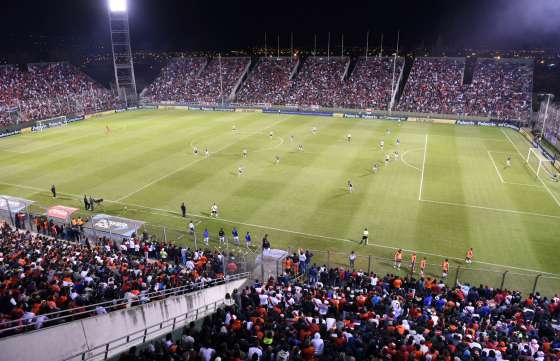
[[117, 5]]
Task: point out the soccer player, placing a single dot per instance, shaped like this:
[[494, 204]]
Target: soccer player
[[222, 236], [206, 236], [300, 147], [469, 256], [214, 210], [191, 227], [398, 259], [396, 155], [365, 237], [381, 144], [445, 268], [206, 152], [53, 191], [86, 203], [291, 138], [271, 134], [413, 262], [235, 235], [375, 168], [248, 239], [350, 186], [423, 263], [398, 141], [508, 161], [277, 159], [183, 209], [240, 170], [233, 128], [314, 130], [195, 150], [245, 153], [388, 131], [349, 137], [387, 158]]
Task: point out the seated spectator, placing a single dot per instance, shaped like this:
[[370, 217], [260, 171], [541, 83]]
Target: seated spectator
[[269, 82]]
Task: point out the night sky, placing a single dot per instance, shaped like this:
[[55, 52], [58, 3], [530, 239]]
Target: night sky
[[223, 25]]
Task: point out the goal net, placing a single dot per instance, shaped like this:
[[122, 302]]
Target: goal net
[[541, 165]]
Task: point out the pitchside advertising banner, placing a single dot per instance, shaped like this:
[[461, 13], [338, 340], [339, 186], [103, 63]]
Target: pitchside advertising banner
[[296, 112], [375, 116], [492, 123], [103, 225]]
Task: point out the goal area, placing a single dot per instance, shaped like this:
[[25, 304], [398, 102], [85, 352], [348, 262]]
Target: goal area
[[540, 164]]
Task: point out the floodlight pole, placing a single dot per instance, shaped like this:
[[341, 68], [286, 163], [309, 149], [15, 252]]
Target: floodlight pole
[[342, 45], [548, 96], [291, 44], [329, 46], [123, 62], [315, 45], [367, 44], [381, 46]]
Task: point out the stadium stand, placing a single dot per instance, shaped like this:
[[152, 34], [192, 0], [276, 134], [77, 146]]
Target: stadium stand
[[269, 82], [213, 84], [44, 276], [319, 82], [501, 89], [175, 79], [370, 84], [48, 90], [434, 86], [343, 315]]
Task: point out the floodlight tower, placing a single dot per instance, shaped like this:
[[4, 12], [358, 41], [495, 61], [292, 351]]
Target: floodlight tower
[[122, 54]]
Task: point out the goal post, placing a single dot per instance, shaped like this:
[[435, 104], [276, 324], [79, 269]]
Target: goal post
[[539, 163]]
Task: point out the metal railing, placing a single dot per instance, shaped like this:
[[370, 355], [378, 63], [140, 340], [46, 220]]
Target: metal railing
[[512, 279], [73, 314], [141, 336]]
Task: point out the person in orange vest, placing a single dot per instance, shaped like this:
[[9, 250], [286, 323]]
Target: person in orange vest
[[398, 259], [413, 262], [422, 266], [468, 257], [445, 268]]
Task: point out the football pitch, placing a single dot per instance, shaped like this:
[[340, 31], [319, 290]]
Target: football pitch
[[449, 188]]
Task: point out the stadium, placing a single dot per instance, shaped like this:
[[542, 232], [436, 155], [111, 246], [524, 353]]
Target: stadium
[[297, 202]]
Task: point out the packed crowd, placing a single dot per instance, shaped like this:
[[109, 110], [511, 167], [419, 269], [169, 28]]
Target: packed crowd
[[269, 82], [198, 80], [434, 86], [49, 90], [371, 82], [319, 82], [500, 89], [351, 315], [42, 274], [175, 79]]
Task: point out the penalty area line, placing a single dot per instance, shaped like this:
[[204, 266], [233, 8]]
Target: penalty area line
[[423, 167]]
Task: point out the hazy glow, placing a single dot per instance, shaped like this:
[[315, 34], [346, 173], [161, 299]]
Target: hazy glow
[[117, 5]]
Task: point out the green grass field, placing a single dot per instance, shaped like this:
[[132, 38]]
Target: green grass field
[[449, 189]]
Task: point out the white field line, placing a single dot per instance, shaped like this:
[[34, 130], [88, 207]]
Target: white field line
[[496, 167], [175, 171], [423, 166], [492, 209], [543, 183], [170, 213], [408, 164], [525, 185]]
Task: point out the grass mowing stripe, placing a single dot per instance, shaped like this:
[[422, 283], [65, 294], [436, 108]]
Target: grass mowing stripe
[[175, 171], [171, 213]]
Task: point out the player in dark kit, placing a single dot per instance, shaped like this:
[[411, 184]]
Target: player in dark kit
[[86, 203], [53, 191], [183, 209]]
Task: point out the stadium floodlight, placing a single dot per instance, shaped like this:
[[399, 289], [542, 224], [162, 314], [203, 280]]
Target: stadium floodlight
[[117, 6]]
